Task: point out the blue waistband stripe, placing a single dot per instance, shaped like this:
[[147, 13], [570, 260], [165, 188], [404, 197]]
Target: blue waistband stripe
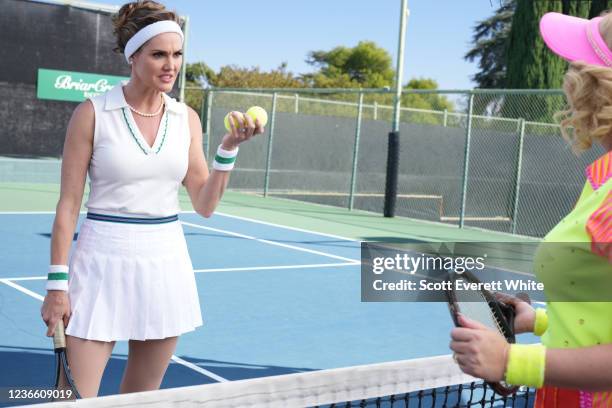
[[131, 220]]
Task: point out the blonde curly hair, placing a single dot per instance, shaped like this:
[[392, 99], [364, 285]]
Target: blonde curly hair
[[588, 89]]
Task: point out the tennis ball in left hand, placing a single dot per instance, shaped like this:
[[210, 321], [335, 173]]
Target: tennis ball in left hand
[[257, 112], [227, 124]]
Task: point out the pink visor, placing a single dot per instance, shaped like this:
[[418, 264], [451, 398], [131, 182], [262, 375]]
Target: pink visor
[[575, 39]]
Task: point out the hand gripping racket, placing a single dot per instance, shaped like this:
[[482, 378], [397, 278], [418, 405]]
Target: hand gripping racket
[[59, 345], [482, 306]]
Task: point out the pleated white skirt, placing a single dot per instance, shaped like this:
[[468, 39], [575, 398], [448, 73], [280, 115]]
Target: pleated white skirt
[[131, 282]]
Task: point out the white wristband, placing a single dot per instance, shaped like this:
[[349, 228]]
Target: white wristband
[[57, 279], [225, 159]]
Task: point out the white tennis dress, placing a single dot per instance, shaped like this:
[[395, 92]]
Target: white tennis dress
[[131, 277]]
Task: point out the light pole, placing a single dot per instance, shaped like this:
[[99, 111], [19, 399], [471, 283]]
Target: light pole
[[399, 72], [393, 141]]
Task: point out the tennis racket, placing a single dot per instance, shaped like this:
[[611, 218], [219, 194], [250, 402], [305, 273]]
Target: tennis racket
[[481, 306], [62, 369]]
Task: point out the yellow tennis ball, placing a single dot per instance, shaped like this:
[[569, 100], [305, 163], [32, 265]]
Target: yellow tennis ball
[[257, 112], [236, 123]]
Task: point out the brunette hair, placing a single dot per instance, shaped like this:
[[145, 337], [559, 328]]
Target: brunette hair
[[134, 16]]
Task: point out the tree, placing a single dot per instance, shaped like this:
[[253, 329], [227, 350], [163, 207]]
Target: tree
[[425, 101], [231, 76], [489, 47], [431, 101], [200, 75], [492, 35], [363, 66], [530, 64], [598, 7], [196, 79]]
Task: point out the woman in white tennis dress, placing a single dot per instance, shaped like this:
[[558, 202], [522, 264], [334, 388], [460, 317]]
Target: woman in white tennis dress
[[130, 276]]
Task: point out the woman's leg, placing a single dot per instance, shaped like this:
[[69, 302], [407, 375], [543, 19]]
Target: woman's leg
[[87, 360], [147, 364]]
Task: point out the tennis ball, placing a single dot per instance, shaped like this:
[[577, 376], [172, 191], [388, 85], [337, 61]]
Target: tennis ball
[[227, 124], [257, 112]]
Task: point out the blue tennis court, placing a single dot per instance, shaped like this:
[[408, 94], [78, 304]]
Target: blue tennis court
[[275, 300]]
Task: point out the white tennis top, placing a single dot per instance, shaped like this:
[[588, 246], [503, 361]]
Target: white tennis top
[[127, 176]]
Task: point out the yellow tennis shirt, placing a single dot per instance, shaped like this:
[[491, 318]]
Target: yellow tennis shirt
[[575, 265]]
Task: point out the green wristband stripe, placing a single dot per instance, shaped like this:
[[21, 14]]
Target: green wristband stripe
[[58, 276], [225, 160]]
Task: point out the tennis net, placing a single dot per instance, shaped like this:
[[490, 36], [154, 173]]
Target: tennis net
[[425, 382]]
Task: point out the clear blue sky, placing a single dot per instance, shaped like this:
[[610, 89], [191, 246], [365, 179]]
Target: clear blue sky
[[268, 32]]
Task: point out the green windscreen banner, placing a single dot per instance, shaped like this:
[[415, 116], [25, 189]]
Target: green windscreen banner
[[73, 86]]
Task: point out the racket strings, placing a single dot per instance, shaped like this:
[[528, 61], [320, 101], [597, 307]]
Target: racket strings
[[498, 322]]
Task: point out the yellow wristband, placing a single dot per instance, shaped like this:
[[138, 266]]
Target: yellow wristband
[[541, 322], [526, 364]]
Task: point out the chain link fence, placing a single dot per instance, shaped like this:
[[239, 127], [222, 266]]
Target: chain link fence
[[491, 159]]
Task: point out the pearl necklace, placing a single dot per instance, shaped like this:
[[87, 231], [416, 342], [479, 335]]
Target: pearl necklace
[[148, 115]]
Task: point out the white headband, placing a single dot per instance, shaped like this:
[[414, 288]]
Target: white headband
[[148, 32]]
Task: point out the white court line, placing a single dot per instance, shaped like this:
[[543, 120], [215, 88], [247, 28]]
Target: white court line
[[265, 241], [27, 212], [175, 358], [261, 268], [287, 227], [22, 289], [323, 234], [210, 270], [25, 278], [216, 213], [193, 212], [238, 234], [253, 221], [261, 240], [199, 369]]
